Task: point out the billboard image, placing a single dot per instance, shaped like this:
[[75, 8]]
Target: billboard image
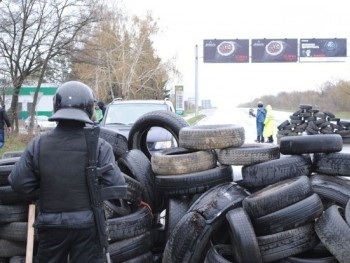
[[322, 49], [274, 50], [226, 51]]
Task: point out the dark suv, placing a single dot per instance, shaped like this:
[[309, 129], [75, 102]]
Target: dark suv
[[120, 115]]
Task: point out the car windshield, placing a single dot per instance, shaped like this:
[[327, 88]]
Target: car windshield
[[127, 114]]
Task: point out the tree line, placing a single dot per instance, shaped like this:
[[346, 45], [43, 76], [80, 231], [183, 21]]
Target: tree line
[[93, 41], [333, 97]]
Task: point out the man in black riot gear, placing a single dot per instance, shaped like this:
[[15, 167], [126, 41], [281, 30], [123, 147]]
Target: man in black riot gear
[[54, 164]]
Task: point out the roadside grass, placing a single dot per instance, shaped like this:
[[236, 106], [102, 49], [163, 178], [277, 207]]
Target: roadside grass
[[195, 119], [15, 142]]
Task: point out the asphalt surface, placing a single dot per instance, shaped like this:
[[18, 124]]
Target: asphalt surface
[[241, 117]]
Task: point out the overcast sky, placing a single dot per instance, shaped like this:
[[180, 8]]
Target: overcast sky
[[186, 23]]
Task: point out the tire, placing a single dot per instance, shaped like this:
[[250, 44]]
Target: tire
[[10, 197], [190, 237], [334, 189], [205, 137], [167, 120], [16, 231], [292, 216], [135, 164], [172, 164], [134, 189], [13, 213], [176, 209], [277, 196], [137, 223], [193, 183], [12, 248], [332, 163], [219, 254], [244, 243], [318, 143], [270, 172], [119, 142], [218, 200], [127, 249], [287, 243], [334, 233], [247, 154]]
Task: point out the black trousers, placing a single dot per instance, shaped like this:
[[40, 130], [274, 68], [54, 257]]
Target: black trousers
[[77, 245]]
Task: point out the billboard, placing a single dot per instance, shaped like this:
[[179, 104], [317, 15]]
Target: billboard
[[322, 49], [226, 51], [274, 50]]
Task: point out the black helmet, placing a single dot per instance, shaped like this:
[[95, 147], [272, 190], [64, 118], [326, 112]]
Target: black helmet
[[73, 101], [260, 104]]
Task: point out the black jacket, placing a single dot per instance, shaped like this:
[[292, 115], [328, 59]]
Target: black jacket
[[4, 119], [28, 175]]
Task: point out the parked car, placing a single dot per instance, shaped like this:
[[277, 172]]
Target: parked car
[[41, 123], [120, 115]]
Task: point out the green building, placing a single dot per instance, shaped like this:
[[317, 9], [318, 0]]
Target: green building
[[44, 104]]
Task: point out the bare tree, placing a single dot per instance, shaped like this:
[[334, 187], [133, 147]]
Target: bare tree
[[33, 33], [119, 59]]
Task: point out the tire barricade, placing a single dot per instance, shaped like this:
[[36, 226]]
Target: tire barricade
[[272, 207]]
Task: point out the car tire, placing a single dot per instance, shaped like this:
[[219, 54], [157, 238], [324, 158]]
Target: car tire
[[167, 120]]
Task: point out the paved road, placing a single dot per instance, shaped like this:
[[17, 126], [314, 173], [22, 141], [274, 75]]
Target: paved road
[[241, 117]]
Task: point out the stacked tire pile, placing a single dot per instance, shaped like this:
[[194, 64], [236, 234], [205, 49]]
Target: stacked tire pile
[[309, 121], [287, 203]]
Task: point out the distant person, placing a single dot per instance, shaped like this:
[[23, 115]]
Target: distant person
[[260, 119], [102, 106], [4, 120], [269, 124], [98, 116]]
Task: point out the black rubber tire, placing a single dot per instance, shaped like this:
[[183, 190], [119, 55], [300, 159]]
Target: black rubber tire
[[205, 137], [146, 257], [334, 233], [215, 202], [16, 231], [318, 143], [167, 120], [13, 213], [289, 217], [277, 196], [134, 189], [287, 243], [130, 248], [12, 248], [332, 163], [177, 207], [243, 238], [116, 208], [189, 239], [334, 189], [193, 183], [247, 154], [136, 164], [221, 253], [347, 212], [10, 197], [118, 141], [263, 174], [172, 164], [138, 222]]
